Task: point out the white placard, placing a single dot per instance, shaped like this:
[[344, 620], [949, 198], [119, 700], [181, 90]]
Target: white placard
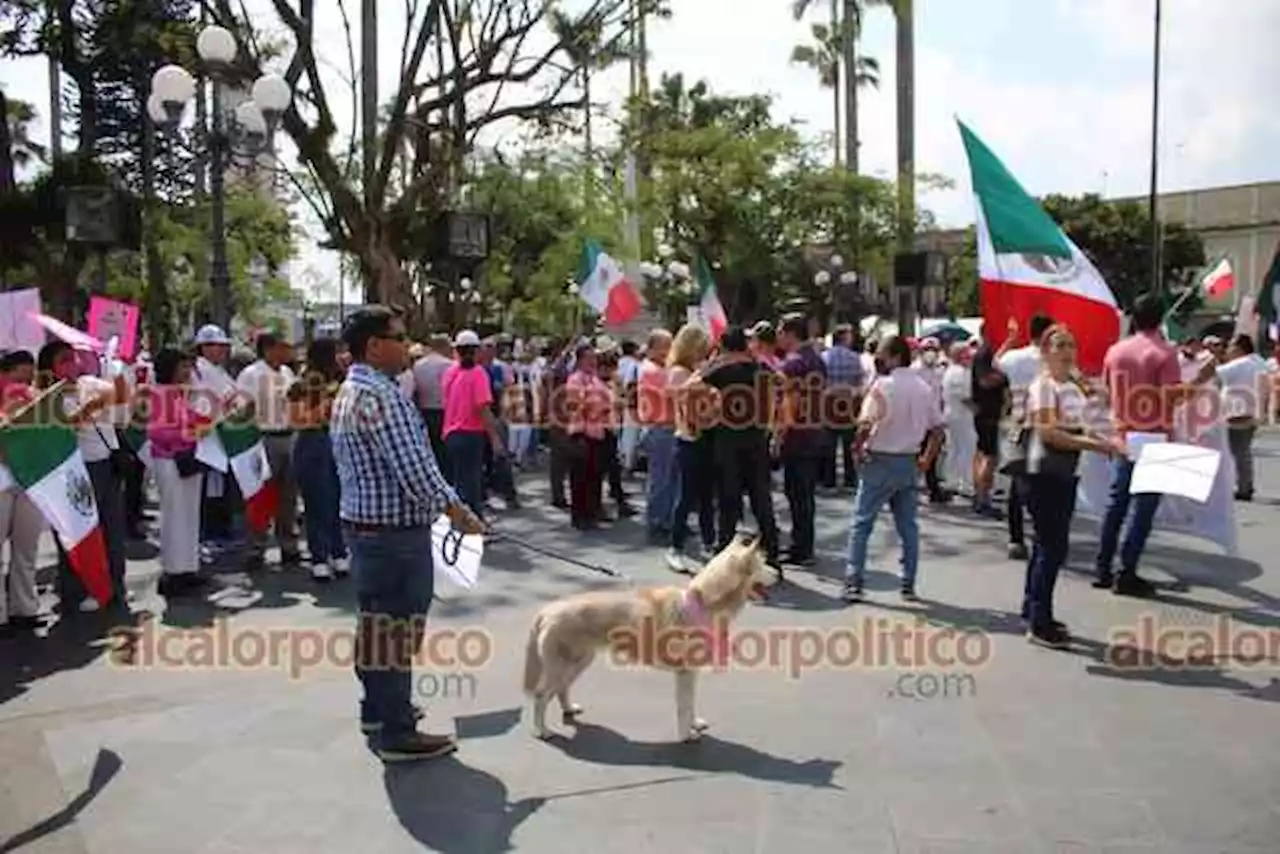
[[1171, 468], [1134, 442], [465, 569]]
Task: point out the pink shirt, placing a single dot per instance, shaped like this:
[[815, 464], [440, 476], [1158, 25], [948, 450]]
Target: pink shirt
[[654, 406], [466, 393], [1138, 371], [902, 409], [173, 422], [590, 405]]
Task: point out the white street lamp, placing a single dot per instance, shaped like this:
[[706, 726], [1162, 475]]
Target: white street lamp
[[650, 270], [251, 122], [678, 269], [822, 278], [216, 46], [837, 261], [272, 95], [464, 283], [173, 86], [848, 277]]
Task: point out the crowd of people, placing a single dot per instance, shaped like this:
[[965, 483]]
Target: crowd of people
[[372, 436]]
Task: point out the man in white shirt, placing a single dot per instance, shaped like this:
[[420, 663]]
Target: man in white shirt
[[217, 392], [900, 413], [1246, 390], [628, 377], [427, 374], [930, 365], [1021, 366], [266, 384]]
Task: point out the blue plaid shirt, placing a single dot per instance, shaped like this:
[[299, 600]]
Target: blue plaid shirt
[[387, 473], [844, 367]]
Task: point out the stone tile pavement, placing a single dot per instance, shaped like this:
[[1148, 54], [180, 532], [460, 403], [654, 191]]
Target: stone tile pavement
[[1028, 751]]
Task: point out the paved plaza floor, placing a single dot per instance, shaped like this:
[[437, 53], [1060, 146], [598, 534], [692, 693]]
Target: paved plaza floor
[[1024, 751]]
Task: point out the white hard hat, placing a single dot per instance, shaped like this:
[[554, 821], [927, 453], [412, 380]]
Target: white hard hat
[[467, 338]]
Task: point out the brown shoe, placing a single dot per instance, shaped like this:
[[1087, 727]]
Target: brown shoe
[[418, 746]]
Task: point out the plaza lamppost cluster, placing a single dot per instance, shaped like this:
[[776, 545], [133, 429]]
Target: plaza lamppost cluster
[[673, 278], [247, 131]]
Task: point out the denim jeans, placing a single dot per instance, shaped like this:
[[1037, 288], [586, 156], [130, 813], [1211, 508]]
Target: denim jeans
[[1051, 501], [891, 479], [466, 464], [318, 482], [662, 489], [394, 585], [1144, 514], [697, 491]]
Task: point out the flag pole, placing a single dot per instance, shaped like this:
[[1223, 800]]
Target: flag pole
[[1157, 281]]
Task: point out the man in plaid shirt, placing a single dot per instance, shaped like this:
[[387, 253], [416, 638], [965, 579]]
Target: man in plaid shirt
[[845, 380], [391, 492]]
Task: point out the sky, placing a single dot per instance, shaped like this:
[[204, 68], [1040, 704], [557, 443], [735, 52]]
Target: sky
[[1060, 89]]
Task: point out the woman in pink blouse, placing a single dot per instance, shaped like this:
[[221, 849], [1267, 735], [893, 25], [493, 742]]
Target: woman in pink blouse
[[174, 428], [590, 413]]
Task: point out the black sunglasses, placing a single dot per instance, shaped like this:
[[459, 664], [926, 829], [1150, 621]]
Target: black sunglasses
[[399, 336]]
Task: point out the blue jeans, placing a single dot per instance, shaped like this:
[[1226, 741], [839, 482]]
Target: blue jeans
[[662, 490], [1051, 502], [466, 464], [394, 585], [1144, 514], [318, 482], [885, 479]]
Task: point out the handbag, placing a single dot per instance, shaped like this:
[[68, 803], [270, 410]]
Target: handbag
[[119, 458]]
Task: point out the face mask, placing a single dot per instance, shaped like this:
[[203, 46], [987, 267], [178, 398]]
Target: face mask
[[929, 357]]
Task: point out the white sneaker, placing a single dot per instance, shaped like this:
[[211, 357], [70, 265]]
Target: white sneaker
[[675, 561], [341, 566], [321, 571], [88, 606]]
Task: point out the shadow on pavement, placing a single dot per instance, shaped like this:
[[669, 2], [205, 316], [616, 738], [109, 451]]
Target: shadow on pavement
[[70, 643], [602, 746], [105, 768], [454, 808]]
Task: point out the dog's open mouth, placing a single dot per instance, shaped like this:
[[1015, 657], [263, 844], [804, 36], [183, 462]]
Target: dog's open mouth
[[758, 592]]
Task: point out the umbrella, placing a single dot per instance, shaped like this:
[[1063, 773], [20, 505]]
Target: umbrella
[[77, 339], [947, 334]]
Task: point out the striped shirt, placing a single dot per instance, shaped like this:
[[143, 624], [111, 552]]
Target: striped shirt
[[387, 473]]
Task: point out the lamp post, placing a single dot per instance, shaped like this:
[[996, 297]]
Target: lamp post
[[250, 128]]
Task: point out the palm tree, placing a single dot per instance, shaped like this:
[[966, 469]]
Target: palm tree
[[903, 9], [823, 55], [582, 43], [843, 32]]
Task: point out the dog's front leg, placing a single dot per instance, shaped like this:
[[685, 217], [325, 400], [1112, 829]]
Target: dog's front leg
[[540, 701], [689, 726]]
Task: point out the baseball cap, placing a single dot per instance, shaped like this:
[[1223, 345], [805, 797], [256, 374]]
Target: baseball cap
[[211, 334], [467, 338]]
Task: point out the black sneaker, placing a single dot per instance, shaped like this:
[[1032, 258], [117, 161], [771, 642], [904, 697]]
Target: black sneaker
[[417, 747], [371, 726], [852, 592], [625, 510], [1017, 551], [909, 594], [794, 559], [1133, 585], [1104, 581], [290, 558], [180, 584], [1052, 639]]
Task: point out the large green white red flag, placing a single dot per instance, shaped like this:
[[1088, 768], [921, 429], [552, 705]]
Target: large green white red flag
[[45, 460], [1027, 265], [709, 304], [604, 286], [238, 447]]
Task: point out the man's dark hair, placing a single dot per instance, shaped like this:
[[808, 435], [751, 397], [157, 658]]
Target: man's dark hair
[[842, 334], [166, 364], [266, 341], [16, 359], [1148, 312], [1040, 324], [365, 325], [1243, 343], [897, 347], [582, 349], [734, 339], [796, 325], [630, 348]]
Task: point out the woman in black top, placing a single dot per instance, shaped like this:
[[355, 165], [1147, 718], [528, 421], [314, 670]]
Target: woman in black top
[[310, 400]]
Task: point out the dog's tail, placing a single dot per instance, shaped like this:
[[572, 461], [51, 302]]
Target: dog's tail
[[533, 658]]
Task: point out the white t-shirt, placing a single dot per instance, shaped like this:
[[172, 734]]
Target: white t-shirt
[[97, 439], [1245, 387], [1021, 367], [957, 385], [268, 388], [1066, 398]]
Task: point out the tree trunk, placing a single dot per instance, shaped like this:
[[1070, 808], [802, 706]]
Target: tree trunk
[[906, 125], [836, 94], [6, 148], [157, 312], [852, 22]]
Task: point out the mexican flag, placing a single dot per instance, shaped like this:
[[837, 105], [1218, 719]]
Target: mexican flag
[[1027, 265], [238, 447], [712, 311], [1218, 279], [46, 462], [604, 286]]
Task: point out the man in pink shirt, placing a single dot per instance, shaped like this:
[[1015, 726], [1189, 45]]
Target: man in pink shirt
[[468, 421], [1144, 384], [900, 414], [589, 411]]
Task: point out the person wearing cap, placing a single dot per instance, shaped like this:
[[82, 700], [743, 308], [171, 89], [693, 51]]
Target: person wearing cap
[[428, 372], [391, 493], [215, 392], [764, 344], [266, 385], [469, 424]]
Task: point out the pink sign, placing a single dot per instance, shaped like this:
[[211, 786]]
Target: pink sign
[[110, 318]]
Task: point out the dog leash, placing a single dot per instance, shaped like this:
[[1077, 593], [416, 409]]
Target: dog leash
[[452, 545]]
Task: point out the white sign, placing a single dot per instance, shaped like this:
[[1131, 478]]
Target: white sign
[[1171, 468]]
